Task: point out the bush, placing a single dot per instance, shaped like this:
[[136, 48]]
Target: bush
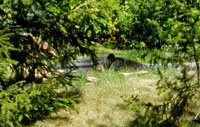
[[21, 107]]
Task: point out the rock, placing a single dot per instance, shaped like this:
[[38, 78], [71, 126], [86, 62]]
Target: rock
[[126, 74], [142, 73], [92, 79]]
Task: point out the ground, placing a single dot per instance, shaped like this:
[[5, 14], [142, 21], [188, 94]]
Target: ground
[[103, 102]]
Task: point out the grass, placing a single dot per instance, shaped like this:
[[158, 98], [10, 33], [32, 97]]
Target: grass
[[102, 103]]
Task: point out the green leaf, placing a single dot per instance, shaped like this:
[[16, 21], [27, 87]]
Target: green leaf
[[20, 118], [27, 116]]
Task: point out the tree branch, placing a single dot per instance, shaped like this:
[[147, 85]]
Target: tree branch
[[77, 8]]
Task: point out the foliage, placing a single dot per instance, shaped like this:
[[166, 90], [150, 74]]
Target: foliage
[[140, 23], [130, 26], [123, 19], [176, 28], [19, 107], [5, 60]]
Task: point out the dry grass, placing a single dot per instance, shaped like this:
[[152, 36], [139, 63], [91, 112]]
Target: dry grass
[[103, 103]]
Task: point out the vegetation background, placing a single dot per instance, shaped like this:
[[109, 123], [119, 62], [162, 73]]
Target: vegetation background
[[37, 34]]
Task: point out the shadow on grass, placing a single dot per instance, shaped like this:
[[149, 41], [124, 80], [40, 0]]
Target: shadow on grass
[[129, 123], [102, 125], [69, 94]]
